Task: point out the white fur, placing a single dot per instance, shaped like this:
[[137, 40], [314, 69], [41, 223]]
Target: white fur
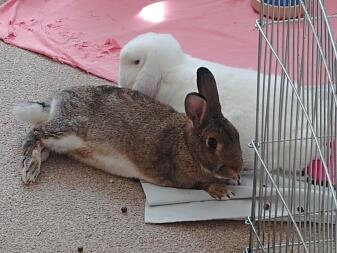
[[166, 73], [32, 113], [64, 144], [53, 108], [113, 163]]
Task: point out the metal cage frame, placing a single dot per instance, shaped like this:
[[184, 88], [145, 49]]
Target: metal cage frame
[[295, 176]]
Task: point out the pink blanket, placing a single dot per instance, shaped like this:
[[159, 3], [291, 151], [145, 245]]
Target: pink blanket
[[89, 34]]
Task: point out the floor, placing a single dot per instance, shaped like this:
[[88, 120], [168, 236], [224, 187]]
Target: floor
[[71, 205]]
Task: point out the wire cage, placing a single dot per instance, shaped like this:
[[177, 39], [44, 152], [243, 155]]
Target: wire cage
[[295, 176]]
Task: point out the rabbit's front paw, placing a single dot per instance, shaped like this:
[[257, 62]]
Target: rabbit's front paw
[[219, 191], [31, 163]]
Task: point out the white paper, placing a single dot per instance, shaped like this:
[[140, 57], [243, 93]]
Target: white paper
[[157, 195], [166, 205], [198, 211]]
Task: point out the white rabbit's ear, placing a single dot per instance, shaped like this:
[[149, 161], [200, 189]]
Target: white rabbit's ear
[[147, 81]]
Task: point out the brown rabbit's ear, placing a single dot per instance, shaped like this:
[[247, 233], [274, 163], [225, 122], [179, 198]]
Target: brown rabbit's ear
[[207, 88], [195, 107]]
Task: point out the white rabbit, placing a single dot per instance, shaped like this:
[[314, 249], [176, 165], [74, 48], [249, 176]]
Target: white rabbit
[[155, 64]]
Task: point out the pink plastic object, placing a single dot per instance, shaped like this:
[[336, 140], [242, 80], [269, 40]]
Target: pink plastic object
[[317, 172]]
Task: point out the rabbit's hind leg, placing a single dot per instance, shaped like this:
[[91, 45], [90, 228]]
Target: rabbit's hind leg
[[32, 157], [38, 144]]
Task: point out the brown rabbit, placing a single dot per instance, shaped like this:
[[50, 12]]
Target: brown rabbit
[[128, 134]]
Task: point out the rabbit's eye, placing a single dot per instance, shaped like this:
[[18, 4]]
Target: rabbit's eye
[[212, 143], [136, 62]]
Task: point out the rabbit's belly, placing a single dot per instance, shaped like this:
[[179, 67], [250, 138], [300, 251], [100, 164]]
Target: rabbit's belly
[[114, 163], [94, 155], [64, 144]]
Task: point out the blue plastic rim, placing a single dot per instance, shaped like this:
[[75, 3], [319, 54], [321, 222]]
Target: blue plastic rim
[[282, 2]]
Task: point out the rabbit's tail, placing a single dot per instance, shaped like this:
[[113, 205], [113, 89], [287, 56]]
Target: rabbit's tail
[[32, 112]]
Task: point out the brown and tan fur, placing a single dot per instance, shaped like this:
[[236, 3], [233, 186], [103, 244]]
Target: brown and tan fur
[[130, 134]]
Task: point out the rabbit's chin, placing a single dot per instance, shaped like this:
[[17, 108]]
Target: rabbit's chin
[[213, 174], [220, 177]]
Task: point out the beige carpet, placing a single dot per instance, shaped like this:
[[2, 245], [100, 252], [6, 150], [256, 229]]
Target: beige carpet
[[72, 205]]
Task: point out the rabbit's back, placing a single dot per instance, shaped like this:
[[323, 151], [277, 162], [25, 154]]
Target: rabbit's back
[[108, 116], [109, 109]]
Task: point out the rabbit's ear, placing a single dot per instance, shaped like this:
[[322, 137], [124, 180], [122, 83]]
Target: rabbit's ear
[[147, 81], [207, 88], [195, 108]]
